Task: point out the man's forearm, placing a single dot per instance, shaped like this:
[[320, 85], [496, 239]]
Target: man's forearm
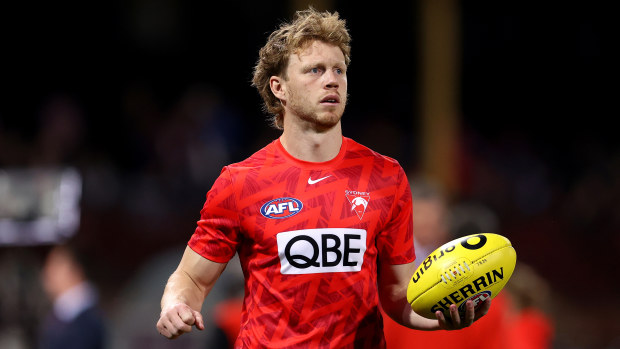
[[395, 305], [192, 281], [181, 288]]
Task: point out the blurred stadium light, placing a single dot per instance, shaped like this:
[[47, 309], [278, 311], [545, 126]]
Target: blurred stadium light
[[39, 206]]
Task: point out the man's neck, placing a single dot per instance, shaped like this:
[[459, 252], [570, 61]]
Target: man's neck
[[310, 145]]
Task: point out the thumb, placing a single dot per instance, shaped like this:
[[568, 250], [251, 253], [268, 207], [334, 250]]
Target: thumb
[[199, 322]]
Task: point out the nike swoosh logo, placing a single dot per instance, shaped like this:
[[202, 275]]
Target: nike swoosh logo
[[315, 181]]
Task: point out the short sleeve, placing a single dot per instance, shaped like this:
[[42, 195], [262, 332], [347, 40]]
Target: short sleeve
[[395, 242], [217, 233]]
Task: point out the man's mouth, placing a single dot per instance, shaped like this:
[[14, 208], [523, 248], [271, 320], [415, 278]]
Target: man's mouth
[[331, 99]]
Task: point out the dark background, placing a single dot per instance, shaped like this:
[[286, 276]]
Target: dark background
[[159, 98]]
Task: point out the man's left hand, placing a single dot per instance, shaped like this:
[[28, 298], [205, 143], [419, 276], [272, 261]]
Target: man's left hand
[[455, 322]]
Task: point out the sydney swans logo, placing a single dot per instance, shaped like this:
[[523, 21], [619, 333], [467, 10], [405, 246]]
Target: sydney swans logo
[[358, 200]]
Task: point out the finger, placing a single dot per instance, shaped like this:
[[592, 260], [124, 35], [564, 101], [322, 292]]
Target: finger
[[439, 315], [163, 327], [483, 309], [186, 314], [469, 314], [179, 326], [168, 334], [200, 324], [454, 315], [443, 323]]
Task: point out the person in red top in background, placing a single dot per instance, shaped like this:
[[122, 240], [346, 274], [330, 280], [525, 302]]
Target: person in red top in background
[[432, 229], [531, 325], [515, 321], [322, 224]]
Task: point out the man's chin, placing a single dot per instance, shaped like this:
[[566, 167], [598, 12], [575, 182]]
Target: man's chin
[[322, 121], [327, 121]]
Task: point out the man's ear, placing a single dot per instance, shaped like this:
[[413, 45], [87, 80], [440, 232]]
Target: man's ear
[[276, 84]]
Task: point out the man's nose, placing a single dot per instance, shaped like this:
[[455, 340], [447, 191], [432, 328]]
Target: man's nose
[[331, 79]]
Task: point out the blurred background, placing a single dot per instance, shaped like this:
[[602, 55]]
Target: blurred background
[[117, 116]]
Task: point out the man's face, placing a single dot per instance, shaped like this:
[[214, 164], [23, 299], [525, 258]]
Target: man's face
[[58, 273], [315, 90], [429, 222]]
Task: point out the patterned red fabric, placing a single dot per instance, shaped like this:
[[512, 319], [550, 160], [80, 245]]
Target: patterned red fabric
[[310, 279]]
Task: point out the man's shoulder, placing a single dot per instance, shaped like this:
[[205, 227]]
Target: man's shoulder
[[355, 149]]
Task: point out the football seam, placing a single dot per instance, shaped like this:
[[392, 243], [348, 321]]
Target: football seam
[[438, 282]]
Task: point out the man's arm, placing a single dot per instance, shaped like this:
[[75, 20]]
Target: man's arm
[[393, 282], [185, 292]]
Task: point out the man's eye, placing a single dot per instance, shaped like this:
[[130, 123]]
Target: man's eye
[[314, 70], [339, 71]]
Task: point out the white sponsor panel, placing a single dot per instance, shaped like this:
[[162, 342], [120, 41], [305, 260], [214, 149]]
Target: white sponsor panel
[[328, 250]]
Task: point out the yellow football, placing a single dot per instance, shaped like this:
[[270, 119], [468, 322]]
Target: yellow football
[[473, 267]]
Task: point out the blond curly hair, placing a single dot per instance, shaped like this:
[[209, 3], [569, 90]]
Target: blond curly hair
[[307, 26]]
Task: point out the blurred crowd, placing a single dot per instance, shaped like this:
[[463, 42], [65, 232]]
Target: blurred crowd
[[559, 208], [142, 189], [147, 156]]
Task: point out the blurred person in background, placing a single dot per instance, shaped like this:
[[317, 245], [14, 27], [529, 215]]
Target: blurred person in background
[[432, 228], [531, 326], [311, 186], [430, 212], [525, 301], [75, 320], [518, 319]]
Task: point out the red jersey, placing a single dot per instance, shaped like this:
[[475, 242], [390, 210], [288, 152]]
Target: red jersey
[[309, 236]]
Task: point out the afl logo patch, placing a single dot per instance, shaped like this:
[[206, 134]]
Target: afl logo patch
[[281, 208]]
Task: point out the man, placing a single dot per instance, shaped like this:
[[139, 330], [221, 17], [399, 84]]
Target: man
[[322, 224], [431, 226], [75, 320]]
